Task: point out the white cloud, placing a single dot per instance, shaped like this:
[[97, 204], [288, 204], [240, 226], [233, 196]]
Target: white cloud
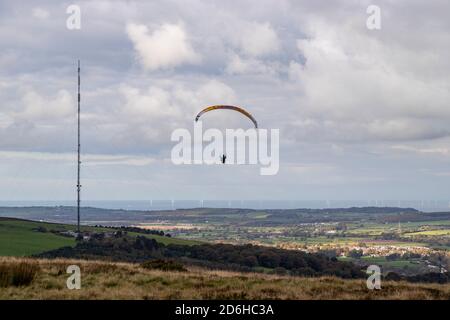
[[351, 81], [441, 151], [173, 102], [257, 39], [237, 65], [40, 13], [88, 159], [340, 94], [153, 103], [143, 117], [295, 70], [37, 107], [215, 92], [7, 59], [166, 47], [404, 129]]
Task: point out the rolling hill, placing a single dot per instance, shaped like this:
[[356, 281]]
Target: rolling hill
[[24, 238]]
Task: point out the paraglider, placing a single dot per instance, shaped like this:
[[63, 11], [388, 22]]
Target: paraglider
[[223, 158], [239, 146], [218, 107]]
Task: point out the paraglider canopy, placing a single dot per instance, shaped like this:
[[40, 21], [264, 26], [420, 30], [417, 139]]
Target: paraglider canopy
[[238, 109]]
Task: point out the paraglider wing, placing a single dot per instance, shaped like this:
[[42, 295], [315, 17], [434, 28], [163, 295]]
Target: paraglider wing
[[238, 109]]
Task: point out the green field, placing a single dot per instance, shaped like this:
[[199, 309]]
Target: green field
[[443, 232], [17, 238], [386, 264], [167, 240], [20, 238]]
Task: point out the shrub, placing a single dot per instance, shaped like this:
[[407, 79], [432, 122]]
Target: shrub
[[17, 274], [356, 254], [392, 276], [40, 229], [165, 265], [280, 271]]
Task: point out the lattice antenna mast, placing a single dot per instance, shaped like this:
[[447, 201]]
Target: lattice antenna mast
[[79, 158]]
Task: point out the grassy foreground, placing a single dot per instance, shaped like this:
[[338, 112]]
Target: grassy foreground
[[103, 280]]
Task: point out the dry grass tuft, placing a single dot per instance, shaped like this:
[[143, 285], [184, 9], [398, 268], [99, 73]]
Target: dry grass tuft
[[17, 273], [165, 265], [104, 280]]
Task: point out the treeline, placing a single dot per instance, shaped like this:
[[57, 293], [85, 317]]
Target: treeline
[[430, 277], [222, 256], [136, 230], [252, 257], [243, 258]]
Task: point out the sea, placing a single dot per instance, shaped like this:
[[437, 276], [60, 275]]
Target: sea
[[422, 205]]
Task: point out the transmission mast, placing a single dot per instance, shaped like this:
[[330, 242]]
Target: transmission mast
[[79, 159]]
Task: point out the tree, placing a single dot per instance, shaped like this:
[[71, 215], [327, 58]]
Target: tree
[[393, 256], [356, 254]]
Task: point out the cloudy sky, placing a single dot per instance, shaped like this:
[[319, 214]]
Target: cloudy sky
[[362, 114]]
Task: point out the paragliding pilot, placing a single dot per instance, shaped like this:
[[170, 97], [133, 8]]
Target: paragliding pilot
[[223, 158]]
